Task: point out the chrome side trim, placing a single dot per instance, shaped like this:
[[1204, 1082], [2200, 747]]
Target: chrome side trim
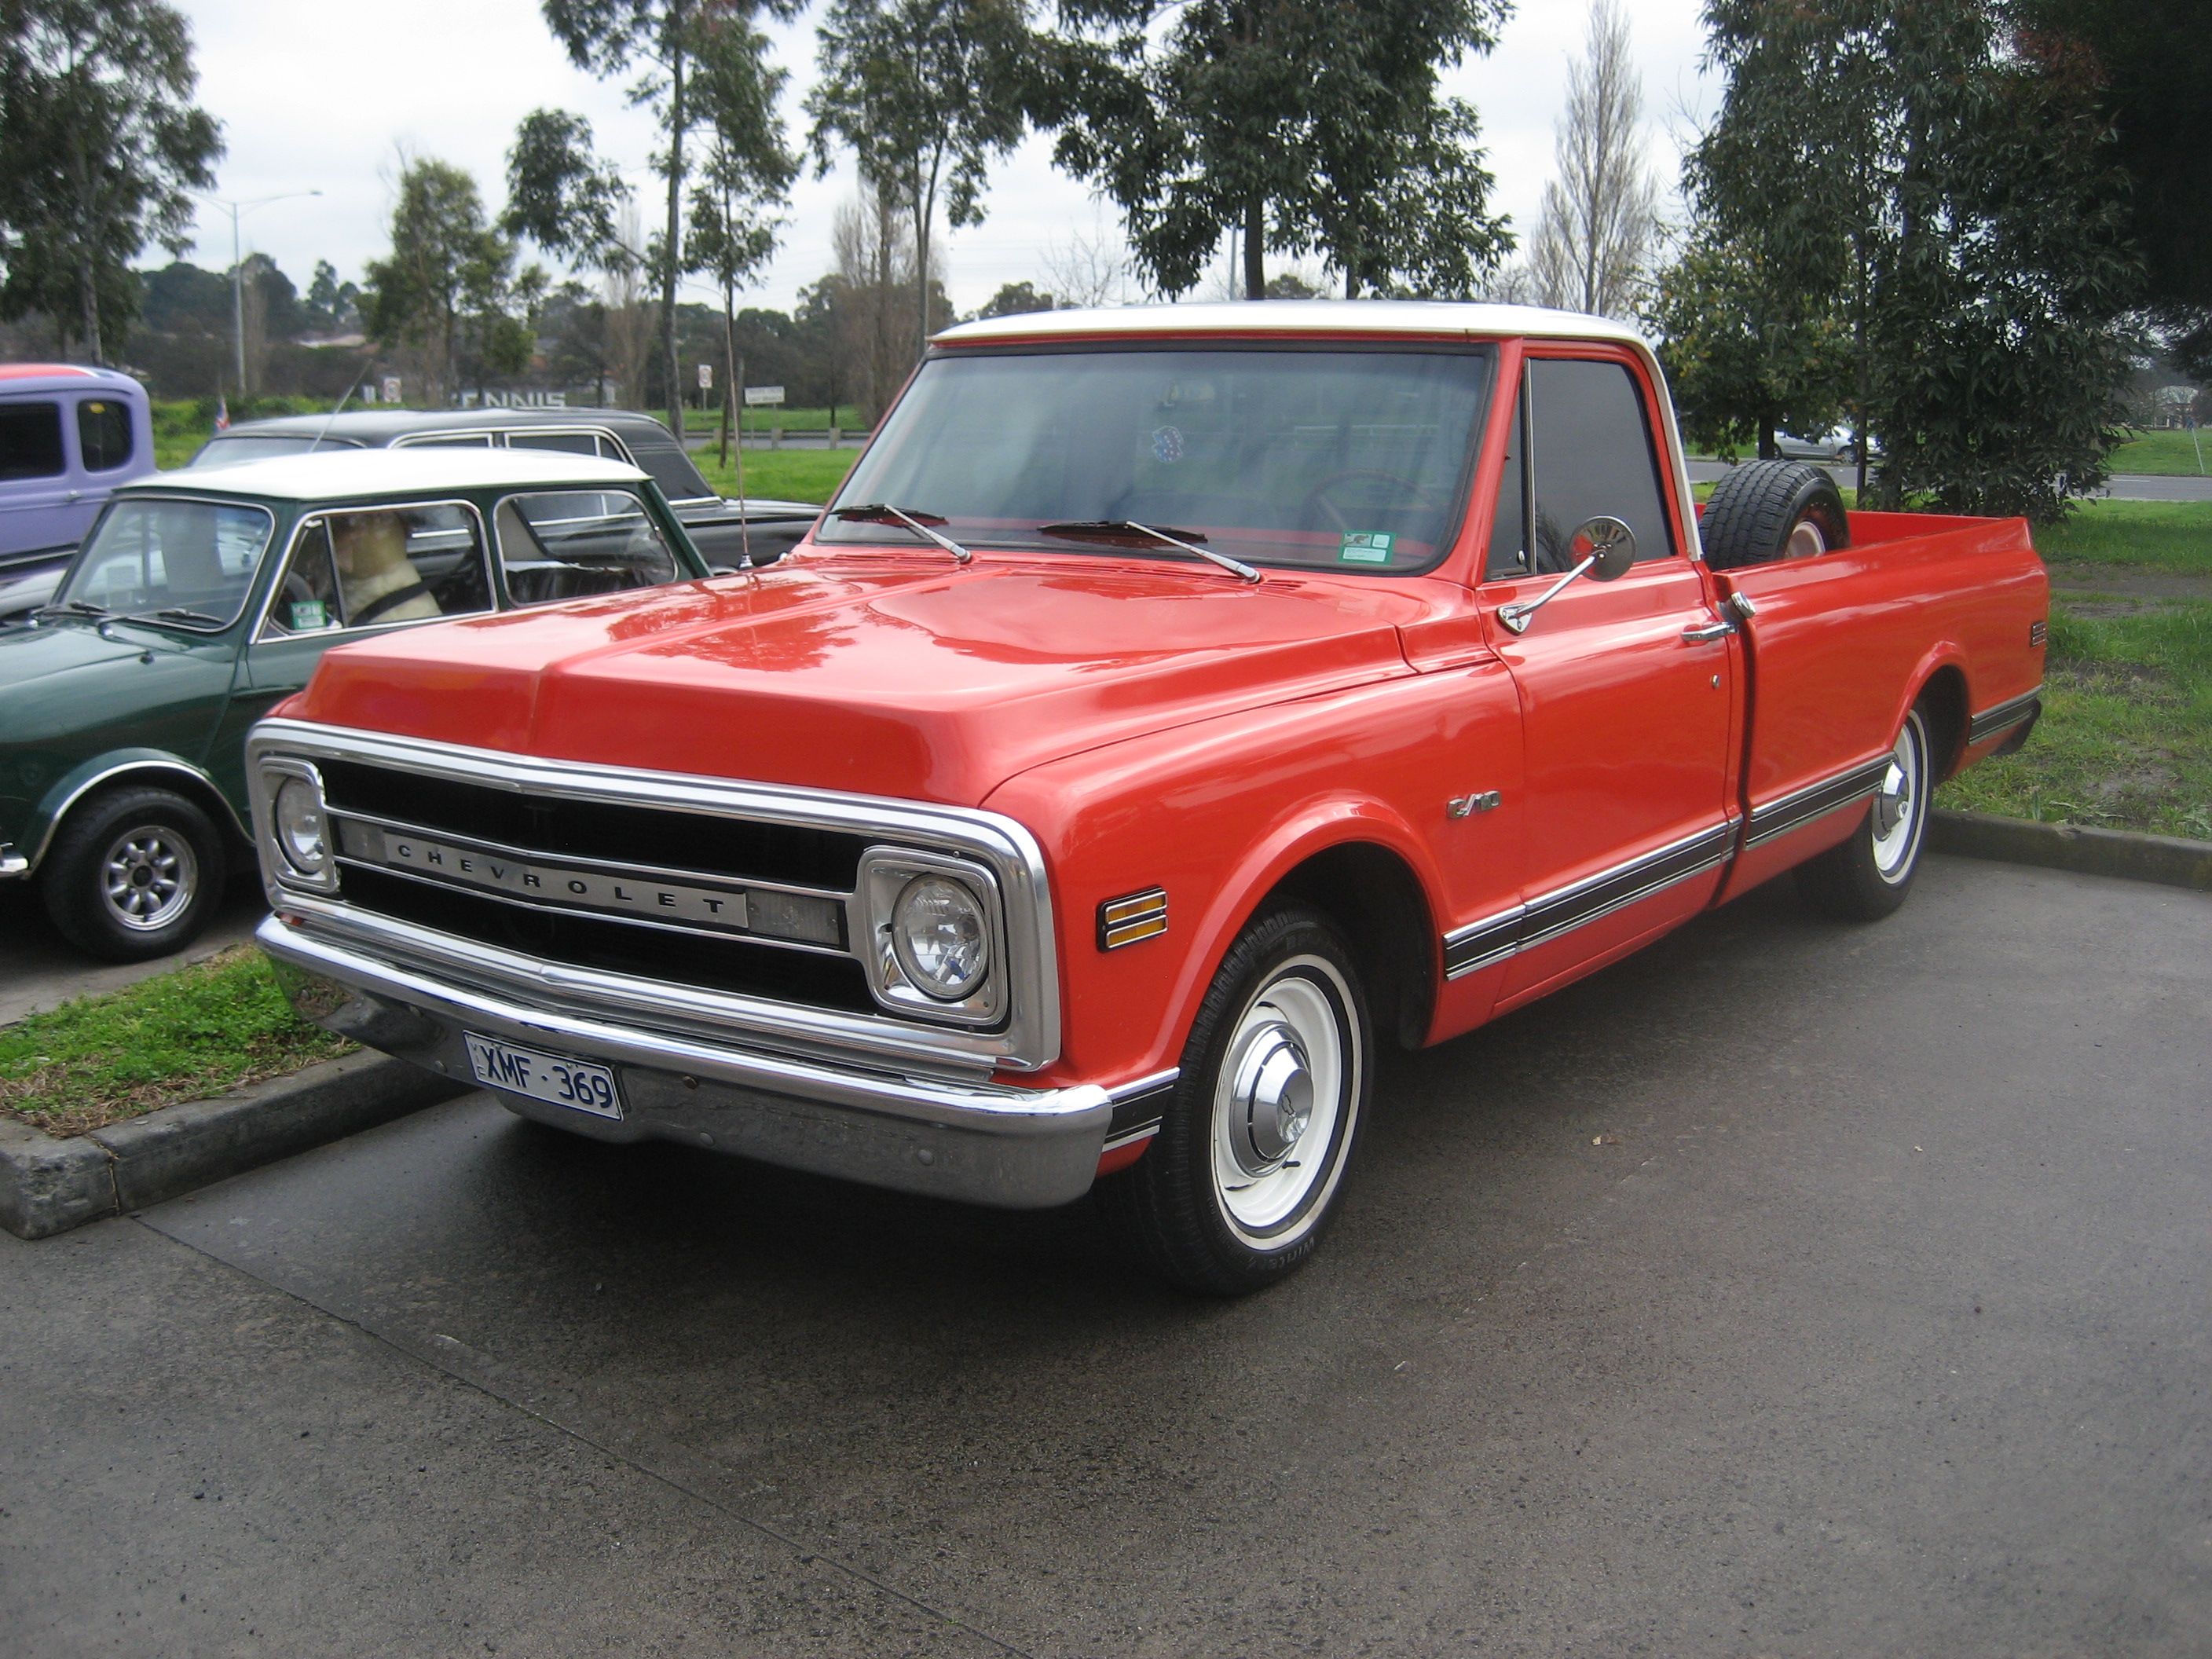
[[1815, 801], [2003, 717], [1029, 1038], [12, 863], [1552, 915], [1138, 1108]]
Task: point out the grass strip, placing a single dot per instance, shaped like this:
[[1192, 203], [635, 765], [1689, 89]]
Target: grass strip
[[186, 1034], [2164, 454], [2169, 536], [2125, 742], [795, 475]]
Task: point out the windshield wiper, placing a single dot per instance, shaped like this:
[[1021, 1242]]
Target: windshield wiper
[[883, 513], [1116, 530], [177, 613], [74, 608]]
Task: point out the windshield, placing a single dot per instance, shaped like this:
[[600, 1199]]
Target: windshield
[[152, 554], [232, 447], [1343, 458]]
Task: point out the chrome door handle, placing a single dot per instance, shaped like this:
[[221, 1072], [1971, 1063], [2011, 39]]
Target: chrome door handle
[[1707, 633]]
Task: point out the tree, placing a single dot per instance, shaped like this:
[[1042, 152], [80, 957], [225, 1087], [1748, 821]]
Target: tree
[[100, 146], [332, 304], [1745, 356], [925, 93], [1599, 226], [446, 285], [1944, 180], [747, 172], [1016, 300], [663, 40], [2150, 62], [561, 196], [1294, 126]]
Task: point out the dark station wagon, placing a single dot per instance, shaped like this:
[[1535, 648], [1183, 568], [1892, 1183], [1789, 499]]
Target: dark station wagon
[[761, 530], [204, 598]]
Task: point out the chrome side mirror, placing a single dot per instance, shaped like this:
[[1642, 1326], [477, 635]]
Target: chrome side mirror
[[1603, 549]]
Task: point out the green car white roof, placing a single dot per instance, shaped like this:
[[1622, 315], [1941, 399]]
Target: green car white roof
[[344, 474]]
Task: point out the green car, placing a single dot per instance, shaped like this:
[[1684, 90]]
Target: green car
[[202, 598]]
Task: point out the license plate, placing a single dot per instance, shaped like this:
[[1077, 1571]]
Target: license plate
[[553, 1079]]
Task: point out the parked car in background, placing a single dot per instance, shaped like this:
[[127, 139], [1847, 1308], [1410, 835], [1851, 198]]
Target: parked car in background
[[67, 436], [1834, 446], [724, 535], [202, 598]]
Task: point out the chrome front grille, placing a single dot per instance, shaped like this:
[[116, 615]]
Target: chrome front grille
[[703, 904]]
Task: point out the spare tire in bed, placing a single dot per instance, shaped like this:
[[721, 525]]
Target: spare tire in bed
[[1764, 511]]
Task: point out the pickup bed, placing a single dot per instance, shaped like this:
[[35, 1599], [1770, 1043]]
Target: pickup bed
[[1173, 704]]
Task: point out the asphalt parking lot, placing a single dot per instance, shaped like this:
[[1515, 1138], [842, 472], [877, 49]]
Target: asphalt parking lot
[[1789, 1289]]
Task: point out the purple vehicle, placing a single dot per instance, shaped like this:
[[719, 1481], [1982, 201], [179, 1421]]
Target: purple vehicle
[[67, 436]]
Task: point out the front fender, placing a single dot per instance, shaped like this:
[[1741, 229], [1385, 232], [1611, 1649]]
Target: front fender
[[144, 765]]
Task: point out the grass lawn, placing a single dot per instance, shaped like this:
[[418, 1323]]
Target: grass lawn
[[2125, 742], [182, 1036], [2164, 452], [796, 475], [791, 419]]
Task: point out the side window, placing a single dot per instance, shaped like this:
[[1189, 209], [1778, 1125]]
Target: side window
[[570, 543], [30, 440], [1594, 454], [103, 434], [669, 467], [1509, 532], [382, 565], [467, 440], [567, 443]]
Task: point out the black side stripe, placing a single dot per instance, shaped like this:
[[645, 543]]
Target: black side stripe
[[1495, 937], [1799, 808], [2003, 718]]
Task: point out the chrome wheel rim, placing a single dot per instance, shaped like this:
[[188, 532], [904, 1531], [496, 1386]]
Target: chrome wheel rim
[[1898, 814], [148, 878], [1806, 541], [1283, 1099]]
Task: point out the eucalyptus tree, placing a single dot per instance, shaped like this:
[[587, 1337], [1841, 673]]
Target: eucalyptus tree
[[925, 93], [1934, 171], [100, 148], [668, 44], [447, 288], [1298, 127]]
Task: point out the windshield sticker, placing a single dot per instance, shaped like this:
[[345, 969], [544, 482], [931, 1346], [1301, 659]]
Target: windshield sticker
[[1366, 547], [1167, 444], [310, 615]]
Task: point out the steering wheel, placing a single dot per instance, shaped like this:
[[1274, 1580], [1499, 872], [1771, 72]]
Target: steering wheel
[[1420, 494]]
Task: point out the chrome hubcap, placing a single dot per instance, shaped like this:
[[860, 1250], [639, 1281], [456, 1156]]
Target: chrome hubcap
[[1271, 1095], [148, 876], [1805, 541], [1897, 817], [1281, 1100]]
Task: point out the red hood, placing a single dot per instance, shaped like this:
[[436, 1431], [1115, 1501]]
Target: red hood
[[878, 673]]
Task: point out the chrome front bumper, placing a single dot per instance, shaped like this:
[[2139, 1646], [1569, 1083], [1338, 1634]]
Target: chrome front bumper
[[981, 1142]]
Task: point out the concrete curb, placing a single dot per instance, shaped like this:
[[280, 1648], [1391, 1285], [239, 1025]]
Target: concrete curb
[[2168, 860], [48, 1186]]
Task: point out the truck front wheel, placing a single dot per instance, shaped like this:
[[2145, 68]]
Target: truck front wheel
[[1246, 1170]]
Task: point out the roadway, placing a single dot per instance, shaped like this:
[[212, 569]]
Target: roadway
[[1789, 1289]]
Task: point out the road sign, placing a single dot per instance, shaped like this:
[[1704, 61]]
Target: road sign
[[706, 377], [757, 395], [391, 388]]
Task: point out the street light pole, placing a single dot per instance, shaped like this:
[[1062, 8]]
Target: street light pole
[[238, 271]]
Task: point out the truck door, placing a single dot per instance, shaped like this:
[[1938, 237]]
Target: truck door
[[1627, 688]]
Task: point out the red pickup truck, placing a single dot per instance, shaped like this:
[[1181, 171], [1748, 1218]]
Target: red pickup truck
[[1174, 704]]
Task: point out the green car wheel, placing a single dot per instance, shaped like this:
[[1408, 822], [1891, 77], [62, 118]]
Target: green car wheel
[[134, 874]]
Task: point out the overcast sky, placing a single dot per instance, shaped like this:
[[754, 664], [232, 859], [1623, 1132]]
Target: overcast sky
[[328, 98]]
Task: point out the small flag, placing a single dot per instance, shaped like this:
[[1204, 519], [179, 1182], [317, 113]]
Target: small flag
[[221, 413]]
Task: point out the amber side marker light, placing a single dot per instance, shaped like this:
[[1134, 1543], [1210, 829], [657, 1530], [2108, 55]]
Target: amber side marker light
[[1137, 917]]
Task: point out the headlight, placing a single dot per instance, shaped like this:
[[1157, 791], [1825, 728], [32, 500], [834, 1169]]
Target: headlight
[[298, 811], [939, 936]]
